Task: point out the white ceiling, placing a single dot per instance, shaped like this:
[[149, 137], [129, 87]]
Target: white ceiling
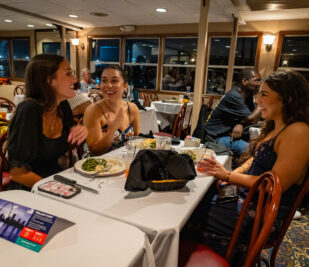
[[128, 12]]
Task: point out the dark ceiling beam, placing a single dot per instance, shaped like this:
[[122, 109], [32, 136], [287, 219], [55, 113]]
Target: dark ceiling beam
[[54, 21]]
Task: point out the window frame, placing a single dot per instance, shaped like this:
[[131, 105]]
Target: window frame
[[229, 35], [11, 56], [283, 34], [173, 65]]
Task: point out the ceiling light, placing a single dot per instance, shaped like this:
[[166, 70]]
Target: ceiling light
[[30, 26], [161, 10], [49, 25], [73, 16], [8, 20]]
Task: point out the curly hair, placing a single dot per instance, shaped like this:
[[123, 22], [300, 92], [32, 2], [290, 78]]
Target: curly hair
[[40, 71]]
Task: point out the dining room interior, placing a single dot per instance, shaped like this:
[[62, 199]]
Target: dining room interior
[[178, 55]]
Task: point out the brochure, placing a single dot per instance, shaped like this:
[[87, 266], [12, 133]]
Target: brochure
[[24, 226]]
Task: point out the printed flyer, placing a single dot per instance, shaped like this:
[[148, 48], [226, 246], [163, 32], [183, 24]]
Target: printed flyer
[[24, 226]]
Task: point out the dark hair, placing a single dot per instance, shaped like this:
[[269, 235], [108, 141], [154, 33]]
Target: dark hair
[[123, 73], [41, 69], [293, 89]]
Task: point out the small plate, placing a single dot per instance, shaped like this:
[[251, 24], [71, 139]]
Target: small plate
[[118, 167]]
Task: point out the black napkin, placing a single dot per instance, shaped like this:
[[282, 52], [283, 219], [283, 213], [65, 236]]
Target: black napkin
[[149, 135], [151, 165]]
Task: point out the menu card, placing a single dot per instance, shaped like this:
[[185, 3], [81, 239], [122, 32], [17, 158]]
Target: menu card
[[24, 226]]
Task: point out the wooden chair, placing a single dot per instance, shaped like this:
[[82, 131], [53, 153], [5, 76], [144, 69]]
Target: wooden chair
[[8, 104], [296, 204], [266, 212], [4, 163], [19, 90], [178, 124], [145, 97], [95, 96]]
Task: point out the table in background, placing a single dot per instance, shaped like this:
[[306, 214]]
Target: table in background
[[161, 215], [167, 112], [93, 240], [149, 120]]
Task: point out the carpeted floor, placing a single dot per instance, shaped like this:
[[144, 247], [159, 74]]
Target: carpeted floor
[[294, 249]]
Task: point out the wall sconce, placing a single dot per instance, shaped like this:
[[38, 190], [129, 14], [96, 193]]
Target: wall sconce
[[75, 42], [268, 41]]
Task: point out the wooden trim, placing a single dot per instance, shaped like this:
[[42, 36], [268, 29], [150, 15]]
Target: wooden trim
[[279, 43], [258, 50], [160, 64], [144, 35]]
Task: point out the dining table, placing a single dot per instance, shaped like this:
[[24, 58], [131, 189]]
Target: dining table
[[149, 121], [167, 112], [77, 237], [161, 215]]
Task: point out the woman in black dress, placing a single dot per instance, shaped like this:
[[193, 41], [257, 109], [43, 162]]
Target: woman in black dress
[[43, 128]]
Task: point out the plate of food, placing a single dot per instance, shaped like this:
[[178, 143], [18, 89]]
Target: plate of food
[[100, 166]]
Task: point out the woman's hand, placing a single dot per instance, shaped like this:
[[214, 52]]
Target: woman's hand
[[77, 134], [213, 167]]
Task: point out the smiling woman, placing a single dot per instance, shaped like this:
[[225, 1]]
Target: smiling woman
[[111, 120], [43, 127]]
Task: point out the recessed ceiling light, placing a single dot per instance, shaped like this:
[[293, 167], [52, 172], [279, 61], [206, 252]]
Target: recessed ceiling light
[[49, 25], [73, 16], [30, 26], [8, 20], [161, 10]]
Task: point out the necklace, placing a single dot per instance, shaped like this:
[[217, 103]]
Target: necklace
[[49, 122]]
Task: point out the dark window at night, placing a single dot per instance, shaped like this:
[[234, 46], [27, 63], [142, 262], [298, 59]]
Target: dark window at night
[[106, 50], [245, 54], [179, 64], [295, 52], [55, 48], [141, 62], [14, 57]]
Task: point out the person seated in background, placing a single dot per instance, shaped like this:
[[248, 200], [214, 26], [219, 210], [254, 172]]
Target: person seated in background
[[111, 120], [235, 110], [87, 84], [43, 128], [282, 147], [78, 103]]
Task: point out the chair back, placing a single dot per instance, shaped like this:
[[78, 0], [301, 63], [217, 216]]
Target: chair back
[[178, 124], [4, 163], [95, 96], [19, 90], [266, 187], [8, 104], [296, 204], [146, 98]]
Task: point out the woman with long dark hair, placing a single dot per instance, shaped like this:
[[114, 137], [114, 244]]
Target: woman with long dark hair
[[111, 120], [283, 147], [43, 128]]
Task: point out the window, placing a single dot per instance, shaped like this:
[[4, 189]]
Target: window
[[245, 56], [55, 48], [179, 64], [295, 53], [14, 57], [103, 52], [141, 62]]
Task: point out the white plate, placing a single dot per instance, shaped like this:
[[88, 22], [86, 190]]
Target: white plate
[[118, 167]]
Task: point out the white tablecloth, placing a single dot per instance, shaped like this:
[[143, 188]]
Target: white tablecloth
[[93, 240], [167, 112], [161, 215], [149, 120]]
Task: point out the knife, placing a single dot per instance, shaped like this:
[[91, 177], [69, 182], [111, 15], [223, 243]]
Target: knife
[[68, 181]]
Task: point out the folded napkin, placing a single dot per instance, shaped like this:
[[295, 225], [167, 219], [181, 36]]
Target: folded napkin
[[150, 165]]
